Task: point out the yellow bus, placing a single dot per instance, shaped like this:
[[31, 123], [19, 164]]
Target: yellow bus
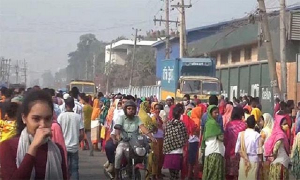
[[87, 87]]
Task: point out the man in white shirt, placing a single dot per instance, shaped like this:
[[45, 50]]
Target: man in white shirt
[[72, 128]]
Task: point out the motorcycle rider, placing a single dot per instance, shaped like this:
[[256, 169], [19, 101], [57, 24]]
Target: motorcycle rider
[[130, 123], [111, 144]]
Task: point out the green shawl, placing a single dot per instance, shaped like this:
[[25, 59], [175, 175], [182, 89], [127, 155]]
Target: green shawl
[[104, 111], [211, 128]]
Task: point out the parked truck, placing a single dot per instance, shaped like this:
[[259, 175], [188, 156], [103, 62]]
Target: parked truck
[[193, 76], [84, 86]]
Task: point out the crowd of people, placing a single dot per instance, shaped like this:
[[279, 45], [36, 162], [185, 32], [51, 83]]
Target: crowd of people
[[42, 131]]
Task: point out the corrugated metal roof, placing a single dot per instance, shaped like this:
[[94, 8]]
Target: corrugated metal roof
[[201, 28]]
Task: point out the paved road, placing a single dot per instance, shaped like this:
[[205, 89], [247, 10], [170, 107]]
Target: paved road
[[91, 167]]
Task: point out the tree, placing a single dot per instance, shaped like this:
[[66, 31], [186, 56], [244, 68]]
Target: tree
[[143, 71], [89, 53]]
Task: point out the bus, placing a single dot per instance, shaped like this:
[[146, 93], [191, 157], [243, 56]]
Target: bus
[[87, 87]]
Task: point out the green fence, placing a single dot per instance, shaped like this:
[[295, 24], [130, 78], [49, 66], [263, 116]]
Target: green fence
[[251, 80]]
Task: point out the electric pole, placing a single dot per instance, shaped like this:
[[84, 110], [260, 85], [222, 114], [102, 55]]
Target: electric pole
[[86, 70], [17, 71], [132, 60], [167, 22], [25, 71], [283, 50], [167, 29], [108, 68], [182, 38], [269, 48], [94, 68]]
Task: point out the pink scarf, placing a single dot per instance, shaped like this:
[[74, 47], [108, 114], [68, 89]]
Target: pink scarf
[[226, 117], [231, 135], [276, 135]]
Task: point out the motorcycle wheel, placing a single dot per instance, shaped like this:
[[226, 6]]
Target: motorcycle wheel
[[138, 175], [125, 176]]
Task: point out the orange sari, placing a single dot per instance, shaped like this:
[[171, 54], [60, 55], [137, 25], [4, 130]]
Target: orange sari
[[95, 134], [109, 120]]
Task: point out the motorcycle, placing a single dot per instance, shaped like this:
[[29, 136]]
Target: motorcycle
[[134, 163]]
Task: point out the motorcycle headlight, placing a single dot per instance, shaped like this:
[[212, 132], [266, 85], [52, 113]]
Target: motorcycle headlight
[[140, 151]]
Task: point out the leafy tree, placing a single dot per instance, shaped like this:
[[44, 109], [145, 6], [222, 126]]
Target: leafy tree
[[143, 69]]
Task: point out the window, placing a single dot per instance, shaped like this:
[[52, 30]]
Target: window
[[248, 53], [224, 58], [191, 87], [235, 56]]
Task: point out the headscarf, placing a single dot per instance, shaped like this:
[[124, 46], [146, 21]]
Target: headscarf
[[104, 110], [96, 109], [226, 117], [153, 104], [249, 108], [256, 113], [268, 124], [196, 115], [212, 128], [233, 128], [54, 157], [144, 117], [110, 113], [276, 135]]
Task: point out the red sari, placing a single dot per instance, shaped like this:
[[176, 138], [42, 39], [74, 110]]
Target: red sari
[[191, 128]]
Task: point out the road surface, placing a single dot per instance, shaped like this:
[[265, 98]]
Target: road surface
[[91, 167]]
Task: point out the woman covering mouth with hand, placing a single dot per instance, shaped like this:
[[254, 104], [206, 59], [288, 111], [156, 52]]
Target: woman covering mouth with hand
[[32, 154]]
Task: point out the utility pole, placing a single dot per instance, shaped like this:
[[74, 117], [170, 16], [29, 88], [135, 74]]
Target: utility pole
[[86, 70], [167, 22], [269, 48], [132, 60], [167, 29], [17, 72], [108, 68], [182, 38], [25, 71], [283, 50], [94, 66]]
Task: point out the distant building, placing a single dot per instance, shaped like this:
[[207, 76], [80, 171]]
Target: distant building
[[240, 55], [121, 49]]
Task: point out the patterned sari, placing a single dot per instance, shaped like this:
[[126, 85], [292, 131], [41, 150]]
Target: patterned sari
[[230, 137]]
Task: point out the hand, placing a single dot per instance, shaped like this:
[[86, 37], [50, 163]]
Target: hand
[[153, 140], [40, 136]]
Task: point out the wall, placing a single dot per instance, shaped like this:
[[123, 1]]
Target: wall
[[254, 80], [144, 91], [251, 80]]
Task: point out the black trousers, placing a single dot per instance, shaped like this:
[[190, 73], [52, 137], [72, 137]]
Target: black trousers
[[110, 149]]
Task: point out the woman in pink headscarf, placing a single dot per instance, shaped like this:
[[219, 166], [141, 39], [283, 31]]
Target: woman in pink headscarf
[[277, 150], [226, 117]]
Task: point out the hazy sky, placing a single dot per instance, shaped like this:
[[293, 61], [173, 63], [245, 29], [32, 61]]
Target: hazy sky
[[44, 31]]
